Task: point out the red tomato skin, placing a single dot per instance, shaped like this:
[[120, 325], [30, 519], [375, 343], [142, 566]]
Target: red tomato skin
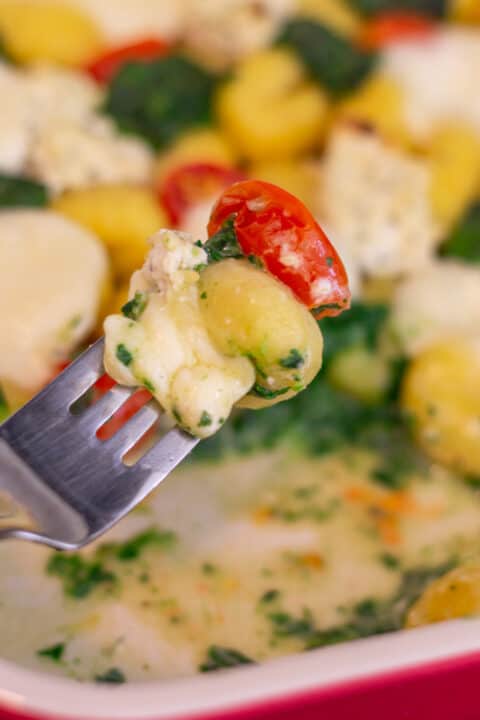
[[189, 184], [103, 68], [394, 26], [271, 223]]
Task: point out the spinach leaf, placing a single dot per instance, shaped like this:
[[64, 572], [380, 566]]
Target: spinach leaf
[[332, 59], [464, 240], [219, 658], [161, 99], [361, 325], [16, 191], [433, 8], [224, 243]]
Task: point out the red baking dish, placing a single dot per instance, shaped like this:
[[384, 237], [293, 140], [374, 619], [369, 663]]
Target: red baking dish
[[409, 675]]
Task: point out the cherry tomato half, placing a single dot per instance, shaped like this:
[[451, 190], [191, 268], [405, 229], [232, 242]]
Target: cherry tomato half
[[278, 229], [104, 67], [188, 185], [390, 27]]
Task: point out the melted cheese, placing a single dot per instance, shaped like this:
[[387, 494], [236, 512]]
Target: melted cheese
[[168, 349]]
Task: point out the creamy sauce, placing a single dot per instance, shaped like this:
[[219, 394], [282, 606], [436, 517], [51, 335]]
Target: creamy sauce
[[311, 529]]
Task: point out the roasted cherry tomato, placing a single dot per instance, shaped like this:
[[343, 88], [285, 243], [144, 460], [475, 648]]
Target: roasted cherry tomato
[[390, 27], [275, 227], [187, 185], [104, 67], [128, 409]]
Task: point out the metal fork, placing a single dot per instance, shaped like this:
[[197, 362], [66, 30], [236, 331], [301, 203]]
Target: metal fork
[[74, 485]]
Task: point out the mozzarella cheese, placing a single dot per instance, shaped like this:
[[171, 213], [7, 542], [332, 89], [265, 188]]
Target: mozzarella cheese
[[222, 31], [376, 200], [52, 274], [167, 348], [439, 77], [439, 302]]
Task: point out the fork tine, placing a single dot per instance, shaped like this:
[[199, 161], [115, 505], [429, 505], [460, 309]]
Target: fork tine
[[126, 437], [78, 377], [169, 451], [95, 416]]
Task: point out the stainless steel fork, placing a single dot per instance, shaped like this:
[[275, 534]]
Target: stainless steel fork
[[73, 485]]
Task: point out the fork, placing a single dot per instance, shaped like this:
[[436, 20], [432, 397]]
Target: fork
[[75, 486]]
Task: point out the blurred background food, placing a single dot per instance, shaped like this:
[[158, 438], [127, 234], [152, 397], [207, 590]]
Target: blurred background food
[[353, 509]]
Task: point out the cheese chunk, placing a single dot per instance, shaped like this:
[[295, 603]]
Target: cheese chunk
[[376, 201], [52, 274]]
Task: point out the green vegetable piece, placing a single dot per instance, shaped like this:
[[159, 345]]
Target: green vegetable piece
[[464, 240], [286, 625], [123, 354], [113, 676], [54, 652], [219, 658], [293, 360], [80, 576], [161, 99], [331, 59], [205, 419], [20, 192], [433, 8], [224, 243], [134, 308]]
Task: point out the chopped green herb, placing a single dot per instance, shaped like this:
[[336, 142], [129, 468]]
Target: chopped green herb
[[79, 575], [198, 268], [209, 569], [54, 652], [148, 385], [113, 676], [17, 191], [267, 393], [329, 261], [335, 62], [4, 410], [286, 625], [224, 243], [123, 354], [131, 549], [293, 360], [159, 100], [390, 561], [219, 658], [205, 419], [269, 596], [473, 481], [134, 308], [203, 295], [176, 414]]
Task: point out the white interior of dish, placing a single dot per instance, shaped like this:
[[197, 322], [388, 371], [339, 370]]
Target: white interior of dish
[[29, 691]]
